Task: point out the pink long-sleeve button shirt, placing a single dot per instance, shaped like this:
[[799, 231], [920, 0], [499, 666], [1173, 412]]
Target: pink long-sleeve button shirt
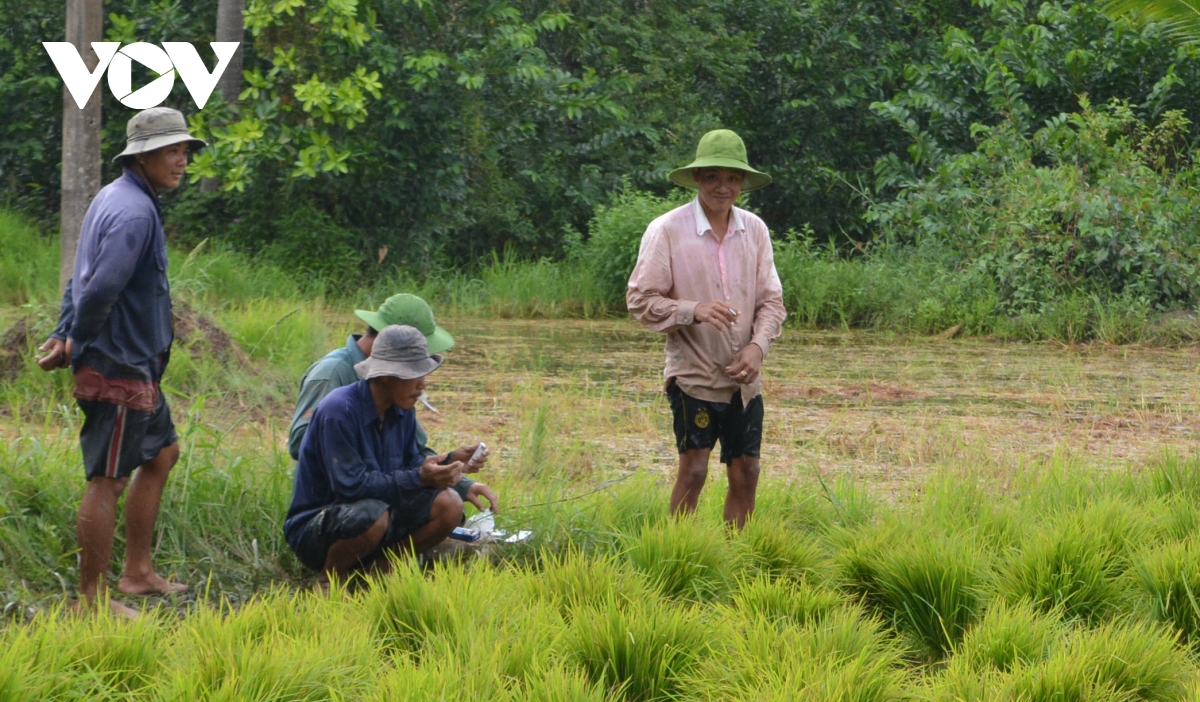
[[682, 264]]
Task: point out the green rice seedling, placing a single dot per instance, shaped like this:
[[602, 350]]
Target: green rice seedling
[[276, 647], [1071, 568], [623, 511], [1008, 636], [955, 500], [1169, 475], [843, 656], [440, 680], [961, 681], [798, 505], [779, 552], [1059, 680], [125, 655], [407, 611], [1119, 660], [1169, 575], [1134, 656], [574, 579], [930, 586], [560, 684], [687, 559], [1179, 517], [642, 649], [787, 601]]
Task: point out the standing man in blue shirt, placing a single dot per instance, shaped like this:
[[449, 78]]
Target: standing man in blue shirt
[[115, 332], [362, 488]]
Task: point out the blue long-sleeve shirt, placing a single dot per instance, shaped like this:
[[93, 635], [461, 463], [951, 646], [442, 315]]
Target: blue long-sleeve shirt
[[117, 307], [349, 453]]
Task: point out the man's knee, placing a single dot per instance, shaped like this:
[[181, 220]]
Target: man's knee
[[166, 458], [693, 465], [110, 488], [744, 472], [447, 508]]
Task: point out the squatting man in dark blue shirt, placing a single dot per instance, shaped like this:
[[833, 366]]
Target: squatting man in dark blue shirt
[[363, 489]]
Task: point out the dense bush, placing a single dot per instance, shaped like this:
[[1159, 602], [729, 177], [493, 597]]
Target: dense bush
[[1092, 202]]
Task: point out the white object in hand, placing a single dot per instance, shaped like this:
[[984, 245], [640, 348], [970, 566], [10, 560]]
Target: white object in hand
[[475, 457]]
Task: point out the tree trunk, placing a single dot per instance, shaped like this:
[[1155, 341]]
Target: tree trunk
[[81, 135], [231, 26]]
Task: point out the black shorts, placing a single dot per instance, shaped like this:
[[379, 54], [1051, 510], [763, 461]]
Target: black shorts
[[116, 440], [700, 423], [347, 520]]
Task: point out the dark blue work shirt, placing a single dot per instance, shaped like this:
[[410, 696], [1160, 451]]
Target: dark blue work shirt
[[350, 454], [117, 306]]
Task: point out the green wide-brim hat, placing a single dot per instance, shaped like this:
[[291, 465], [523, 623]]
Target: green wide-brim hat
[[720, 148], [411, 311]]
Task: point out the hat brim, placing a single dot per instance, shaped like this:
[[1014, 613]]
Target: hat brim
[[439, 341], [372, 319], [405, 370], [754, 179], [141, 146]]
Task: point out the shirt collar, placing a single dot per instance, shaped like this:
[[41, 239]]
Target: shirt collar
[[703, 225], [352, 348], [137, 180], [366, 406]]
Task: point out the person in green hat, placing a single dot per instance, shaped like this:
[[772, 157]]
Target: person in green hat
[[705, 276], [336, 369]]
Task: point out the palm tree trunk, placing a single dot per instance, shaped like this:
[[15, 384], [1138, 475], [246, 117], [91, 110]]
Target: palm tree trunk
[[81, 135]]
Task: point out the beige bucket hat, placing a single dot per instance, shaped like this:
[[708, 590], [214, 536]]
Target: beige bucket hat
[[155, 128], [401, 352]]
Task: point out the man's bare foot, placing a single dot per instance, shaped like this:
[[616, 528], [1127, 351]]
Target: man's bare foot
[[86, 605], [153, 584]]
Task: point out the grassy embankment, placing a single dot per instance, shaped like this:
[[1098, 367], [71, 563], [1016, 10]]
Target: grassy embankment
[[1003, 577]]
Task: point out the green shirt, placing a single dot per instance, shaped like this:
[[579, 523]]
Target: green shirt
[[331, 372]]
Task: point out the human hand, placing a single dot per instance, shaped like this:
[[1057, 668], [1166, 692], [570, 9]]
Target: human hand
[[438, 475], [718, 314], [478, 490], [746, 365], [59, 354], [476, 462]]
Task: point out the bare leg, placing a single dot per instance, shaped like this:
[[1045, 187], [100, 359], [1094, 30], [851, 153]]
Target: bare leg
[[445, 514], [743, 484], [693, 471], [141, 512], [94, 527], [345, 555]]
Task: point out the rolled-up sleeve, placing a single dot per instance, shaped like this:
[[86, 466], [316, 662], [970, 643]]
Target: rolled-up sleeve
[[650, 283], [769, 313], [66, 313]]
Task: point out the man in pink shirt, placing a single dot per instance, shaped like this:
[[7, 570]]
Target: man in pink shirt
[[705, 276]]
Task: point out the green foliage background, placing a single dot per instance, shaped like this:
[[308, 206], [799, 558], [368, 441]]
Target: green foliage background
[[398, 139]]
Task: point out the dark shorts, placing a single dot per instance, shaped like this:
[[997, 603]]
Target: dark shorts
[[347, 520], [700, 423], [116, 439]]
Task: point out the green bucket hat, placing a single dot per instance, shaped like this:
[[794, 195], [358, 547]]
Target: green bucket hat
[[412, 311], [720, 148]]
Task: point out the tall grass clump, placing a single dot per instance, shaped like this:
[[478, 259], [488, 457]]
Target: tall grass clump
[[843, 657], [687, 559], [788, 602], [1169, 576], [573, 579], [408, 612], [643, 649], [1119, 660], [930, 586], [1071, 566], [776, 551], [1010, 636], [28, 262]]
